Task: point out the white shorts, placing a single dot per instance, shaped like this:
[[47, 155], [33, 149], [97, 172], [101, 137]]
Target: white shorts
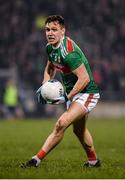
[[88, 101]]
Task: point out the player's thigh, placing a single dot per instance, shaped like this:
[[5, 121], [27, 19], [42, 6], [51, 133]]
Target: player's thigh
[[75, 112]]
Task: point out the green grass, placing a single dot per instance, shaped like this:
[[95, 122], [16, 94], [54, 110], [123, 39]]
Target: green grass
[[20, 140]]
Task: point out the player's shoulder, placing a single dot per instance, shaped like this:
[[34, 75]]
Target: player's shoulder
[[68, 44], [71, 49]]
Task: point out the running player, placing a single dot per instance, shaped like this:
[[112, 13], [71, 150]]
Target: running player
[[82, 93]]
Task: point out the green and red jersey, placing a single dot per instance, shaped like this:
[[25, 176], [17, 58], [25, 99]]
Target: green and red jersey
[[66, 58]]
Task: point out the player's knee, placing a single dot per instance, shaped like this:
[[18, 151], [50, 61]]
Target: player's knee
[[61, 125]]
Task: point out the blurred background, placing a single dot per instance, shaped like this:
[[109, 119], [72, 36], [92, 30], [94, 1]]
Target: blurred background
[[97, 26]]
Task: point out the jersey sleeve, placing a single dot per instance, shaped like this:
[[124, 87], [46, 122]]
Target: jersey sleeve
[[73, 60]]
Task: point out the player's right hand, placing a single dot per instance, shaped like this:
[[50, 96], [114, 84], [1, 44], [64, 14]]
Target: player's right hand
[[60, 100]]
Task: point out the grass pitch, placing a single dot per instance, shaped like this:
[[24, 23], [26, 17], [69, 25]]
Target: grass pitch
[[21, 139]]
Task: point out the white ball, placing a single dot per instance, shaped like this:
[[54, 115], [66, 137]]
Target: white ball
[[52, 89]]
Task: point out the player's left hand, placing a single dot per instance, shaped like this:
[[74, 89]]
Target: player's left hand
[[40, 99]]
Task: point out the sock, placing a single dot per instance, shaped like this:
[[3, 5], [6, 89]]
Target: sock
[[41, 154], [91, 154]]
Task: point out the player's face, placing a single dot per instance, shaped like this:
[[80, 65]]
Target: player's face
[[54, 33]]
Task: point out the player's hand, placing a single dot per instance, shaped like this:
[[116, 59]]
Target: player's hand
[[40, 99], [60, 100]]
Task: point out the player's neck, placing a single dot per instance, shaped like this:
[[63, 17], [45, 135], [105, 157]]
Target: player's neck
[[59, 43]]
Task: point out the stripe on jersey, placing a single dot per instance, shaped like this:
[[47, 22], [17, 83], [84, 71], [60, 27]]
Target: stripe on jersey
[[63, 50], [69, 45]]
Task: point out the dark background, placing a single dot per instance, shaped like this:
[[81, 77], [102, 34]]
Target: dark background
[[97, 26]]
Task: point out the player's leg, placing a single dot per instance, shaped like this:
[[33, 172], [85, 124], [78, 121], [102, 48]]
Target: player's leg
[[86, 140], [88, 101], [63, 122], [74, 112]]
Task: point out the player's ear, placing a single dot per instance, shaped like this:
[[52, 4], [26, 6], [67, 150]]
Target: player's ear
[[63, 31]]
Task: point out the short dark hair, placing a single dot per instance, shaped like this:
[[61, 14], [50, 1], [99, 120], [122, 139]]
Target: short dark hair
[[57, 18]]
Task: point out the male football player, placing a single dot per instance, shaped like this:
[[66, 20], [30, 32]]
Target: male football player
[[82, 93]]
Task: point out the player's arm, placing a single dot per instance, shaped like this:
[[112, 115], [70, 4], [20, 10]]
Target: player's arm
[[81, 83], [49, 72], [75, 63]]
